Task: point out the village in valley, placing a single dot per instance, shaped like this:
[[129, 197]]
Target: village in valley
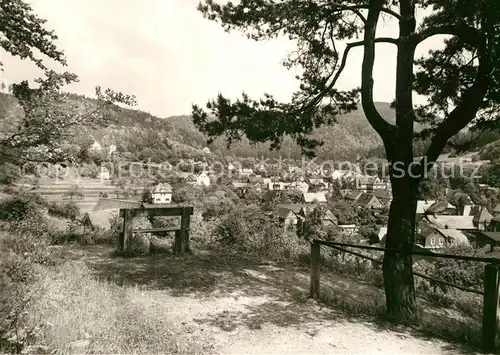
[[250, 177], [295, 189]]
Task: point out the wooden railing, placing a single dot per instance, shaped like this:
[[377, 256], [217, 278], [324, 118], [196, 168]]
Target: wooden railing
[[181, 243], [490, 293]]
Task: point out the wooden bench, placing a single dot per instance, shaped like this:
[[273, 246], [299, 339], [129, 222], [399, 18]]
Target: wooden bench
[[181, 244]]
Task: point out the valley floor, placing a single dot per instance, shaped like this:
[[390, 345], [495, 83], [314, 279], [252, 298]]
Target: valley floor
[[227, 305]]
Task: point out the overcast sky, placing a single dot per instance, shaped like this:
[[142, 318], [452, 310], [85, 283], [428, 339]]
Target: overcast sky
[[169, 56]]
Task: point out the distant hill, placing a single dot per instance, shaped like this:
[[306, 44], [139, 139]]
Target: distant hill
[[138, 135], [352, 135], [138, 131], [141, 135]]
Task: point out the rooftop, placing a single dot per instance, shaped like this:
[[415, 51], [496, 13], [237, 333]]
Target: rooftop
[[451, 222]]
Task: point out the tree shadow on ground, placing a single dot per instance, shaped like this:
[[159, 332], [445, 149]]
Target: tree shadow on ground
[[284, 289]]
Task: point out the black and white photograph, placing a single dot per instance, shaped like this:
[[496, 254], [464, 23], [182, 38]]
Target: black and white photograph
[[250, 177]]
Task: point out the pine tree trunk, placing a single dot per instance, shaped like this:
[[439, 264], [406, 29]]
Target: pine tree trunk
[[398, 267]]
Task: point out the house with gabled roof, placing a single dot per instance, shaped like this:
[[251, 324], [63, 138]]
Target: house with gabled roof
[[100, 219], [327, 219], [427, 206], [190, 179], [437, 238], [451, 222], [288, 213], [224, 181], [442, 208], [368, 200], [203, 179], [312, 197], [366, 182], [384, 196], [162, 194], [353, 196], [482, 218]]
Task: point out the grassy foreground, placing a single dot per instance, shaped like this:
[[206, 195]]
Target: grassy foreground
[[76, 313]]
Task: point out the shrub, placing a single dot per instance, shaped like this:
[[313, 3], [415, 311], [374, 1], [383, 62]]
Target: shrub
[[184, 195], [249, 229], [68, 210], [217, 209], [9, 173], [464, 273], [202, 233], [147, 195], [24, 247], [19, 207], [369, 232]]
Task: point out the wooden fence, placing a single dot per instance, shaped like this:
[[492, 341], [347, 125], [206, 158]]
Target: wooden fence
[[490, 293], [181, 244]]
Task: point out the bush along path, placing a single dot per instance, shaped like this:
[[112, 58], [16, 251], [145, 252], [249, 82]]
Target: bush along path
[[239, 304]]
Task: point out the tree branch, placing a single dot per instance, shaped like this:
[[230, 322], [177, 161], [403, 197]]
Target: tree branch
[[341, 68], [391, 12], [465, 32], [356, 11], [378, 123], [382, 9], [467, 109]]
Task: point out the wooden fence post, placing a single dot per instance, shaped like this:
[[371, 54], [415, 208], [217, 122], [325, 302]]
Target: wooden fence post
[[181, 243], [178, 242], [127, 229], [315, 266], [119, 241], [491, 308], [186, 223]]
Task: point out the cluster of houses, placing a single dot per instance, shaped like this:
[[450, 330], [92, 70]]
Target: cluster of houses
[[439, 224]]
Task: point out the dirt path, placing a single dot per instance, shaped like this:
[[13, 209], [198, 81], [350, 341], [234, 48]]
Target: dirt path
[[247, 307]]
